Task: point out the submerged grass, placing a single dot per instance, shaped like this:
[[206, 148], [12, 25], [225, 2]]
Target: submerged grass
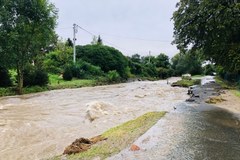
[[119, 138], [186, 83]]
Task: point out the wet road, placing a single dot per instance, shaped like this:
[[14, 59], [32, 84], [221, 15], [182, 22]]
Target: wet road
[[192, 132]]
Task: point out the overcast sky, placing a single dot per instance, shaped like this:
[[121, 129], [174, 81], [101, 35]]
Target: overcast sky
[[131, 26]]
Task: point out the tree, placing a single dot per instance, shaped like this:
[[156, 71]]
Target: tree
[[99, 40], [213, 26], [69, 43], [162, 60], [107, 58], [188, 62], [26, 27]]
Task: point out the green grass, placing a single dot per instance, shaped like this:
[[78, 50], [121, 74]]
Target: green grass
[[119, 138], [236, 93], [227, 85], [55, 82], [197, 76], [186, 83]]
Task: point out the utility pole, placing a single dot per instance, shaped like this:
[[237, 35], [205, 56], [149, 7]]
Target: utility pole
[[149, 57], [74, 42]]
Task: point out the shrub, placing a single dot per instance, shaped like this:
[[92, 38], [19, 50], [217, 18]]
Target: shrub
[[83, 69], [5, 80], [164, 73], [113, 76], [33, 76], [67, 74], [107, 58]]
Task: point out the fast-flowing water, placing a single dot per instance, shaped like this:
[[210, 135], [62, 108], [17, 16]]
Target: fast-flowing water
[[41, 125]]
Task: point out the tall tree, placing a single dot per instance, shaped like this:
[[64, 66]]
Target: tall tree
[[162, 60], [210, 25], [99, 40], [26, 27]]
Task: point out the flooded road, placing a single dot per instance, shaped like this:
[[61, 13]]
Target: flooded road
[[41, 125], [192, 132]]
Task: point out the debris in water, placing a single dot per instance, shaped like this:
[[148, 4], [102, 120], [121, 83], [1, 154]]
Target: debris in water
[[215, 100], [82, 144]]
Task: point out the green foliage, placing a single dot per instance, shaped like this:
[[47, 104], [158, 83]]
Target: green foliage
[[187, 63], [34, 76], [187, 83], [86, 70], [67, 74], [209, 69], [26, 27], [232, 77], [55, 61], [213, 26], [162, 60], [107, 58], [113, 76], [150, 66], [164, 73], [5, 80]]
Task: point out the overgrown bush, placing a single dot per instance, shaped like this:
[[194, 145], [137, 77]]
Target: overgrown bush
[[113, 76], [33, 76], [85, 70], [164, 73], [107, 58], [5, 80], [67, 74]]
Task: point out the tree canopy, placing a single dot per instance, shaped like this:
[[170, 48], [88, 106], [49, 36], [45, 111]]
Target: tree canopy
[[210, 25], [26, 28], [106, 57]]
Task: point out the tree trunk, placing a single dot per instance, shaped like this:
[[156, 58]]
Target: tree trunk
[[20, 79]]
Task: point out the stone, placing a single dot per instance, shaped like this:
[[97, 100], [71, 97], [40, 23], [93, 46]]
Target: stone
[[134, 148]]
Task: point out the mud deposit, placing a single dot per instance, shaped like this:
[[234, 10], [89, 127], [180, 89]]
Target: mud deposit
[[41, 125]]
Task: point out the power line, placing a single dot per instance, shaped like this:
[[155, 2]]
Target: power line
[[103, 40], [136, 38]]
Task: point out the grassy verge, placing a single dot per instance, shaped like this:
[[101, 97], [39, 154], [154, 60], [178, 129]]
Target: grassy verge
[[197, 76], [226, 85], [55, 82], [119, 138], [186, 83], [236, 93]]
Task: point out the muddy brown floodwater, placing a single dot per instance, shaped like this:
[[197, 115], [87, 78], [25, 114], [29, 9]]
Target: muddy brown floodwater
[[39, 126]]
